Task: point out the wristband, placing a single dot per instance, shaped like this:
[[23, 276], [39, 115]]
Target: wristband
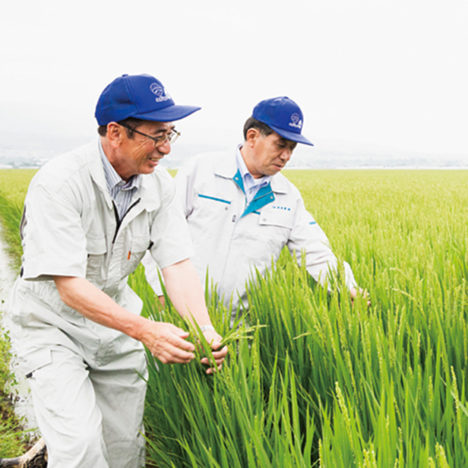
[[205, 328]]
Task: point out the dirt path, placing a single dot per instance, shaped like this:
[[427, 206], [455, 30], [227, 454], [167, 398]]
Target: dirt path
[[23, 407]]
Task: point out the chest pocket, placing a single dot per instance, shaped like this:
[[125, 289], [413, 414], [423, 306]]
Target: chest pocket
[[133, 256], [97, 249], [209, 208], [275, 227], [283, 219]]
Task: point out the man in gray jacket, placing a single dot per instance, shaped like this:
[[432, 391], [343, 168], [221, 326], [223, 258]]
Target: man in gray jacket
[[89, 217]]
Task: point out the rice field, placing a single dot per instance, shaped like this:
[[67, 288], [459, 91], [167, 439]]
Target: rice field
[[13, 187], [13, 439], [314, 380]]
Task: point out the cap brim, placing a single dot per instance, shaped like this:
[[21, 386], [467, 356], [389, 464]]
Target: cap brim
[[297, 137], [168, 114]]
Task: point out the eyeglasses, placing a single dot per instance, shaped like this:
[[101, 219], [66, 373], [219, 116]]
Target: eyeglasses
[[171, 137]]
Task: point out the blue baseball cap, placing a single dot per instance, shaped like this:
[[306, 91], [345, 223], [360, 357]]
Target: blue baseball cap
[[139, 96], [283, 116]]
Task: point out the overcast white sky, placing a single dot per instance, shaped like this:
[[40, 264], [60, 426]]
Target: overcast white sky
[[390, 75]]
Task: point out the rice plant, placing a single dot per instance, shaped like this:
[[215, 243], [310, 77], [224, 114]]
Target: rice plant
[[327, 382], [313, 379], [13, 184]]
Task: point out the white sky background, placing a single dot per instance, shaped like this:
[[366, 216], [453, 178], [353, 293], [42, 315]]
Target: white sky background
[[370, 76]]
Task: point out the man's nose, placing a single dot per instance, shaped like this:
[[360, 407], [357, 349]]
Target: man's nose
[[164, 148], [286, 154]]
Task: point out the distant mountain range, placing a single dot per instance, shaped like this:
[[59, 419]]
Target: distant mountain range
[[33, 155]]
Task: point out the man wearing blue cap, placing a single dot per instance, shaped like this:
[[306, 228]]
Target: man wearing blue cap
[[89, 217], [241, 211]]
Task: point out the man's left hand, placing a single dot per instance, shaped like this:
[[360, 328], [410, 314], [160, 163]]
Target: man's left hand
[[353, 292], [215, 341]]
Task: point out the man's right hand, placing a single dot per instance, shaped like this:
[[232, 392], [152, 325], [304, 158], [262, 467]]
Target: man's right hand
[[167, 343]]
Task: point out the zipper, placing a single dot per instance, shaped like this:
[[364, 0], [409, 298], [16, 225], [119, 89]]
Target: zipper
[[120, 220], [234, 220]]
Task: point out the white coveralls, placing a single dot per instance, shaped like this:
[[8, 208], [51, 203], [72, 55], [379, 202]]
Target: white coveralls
[[231, 239], [86, 379]]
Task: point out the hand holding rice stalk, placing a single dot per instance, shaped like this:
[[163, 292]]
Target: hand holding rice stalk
[[205, 337], [207, 341]]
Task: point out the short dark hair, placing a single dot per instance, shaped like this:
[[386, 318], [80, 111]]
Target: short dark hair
[[130, 122], [264, 129]]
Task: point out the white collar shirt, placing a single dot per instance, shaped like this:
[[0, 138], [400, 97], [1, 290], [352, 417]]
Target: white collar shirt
[[251, 185]]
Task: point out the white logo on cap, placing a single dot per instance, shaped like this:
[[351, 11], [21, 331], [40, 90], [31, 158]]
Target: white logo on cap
[[295, 121], [160, 93]]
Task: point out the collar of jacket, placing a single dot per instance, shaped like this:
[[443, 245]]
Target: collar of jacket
[[226, 167], [96, 170]]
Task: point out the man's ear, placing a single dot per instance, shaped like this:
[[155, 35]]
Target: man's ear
[[115, 133], [252, 136]]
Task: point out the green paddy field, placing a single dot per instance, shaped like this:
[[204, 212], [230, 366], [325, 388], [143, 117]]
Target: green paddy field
[[311, 379]]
